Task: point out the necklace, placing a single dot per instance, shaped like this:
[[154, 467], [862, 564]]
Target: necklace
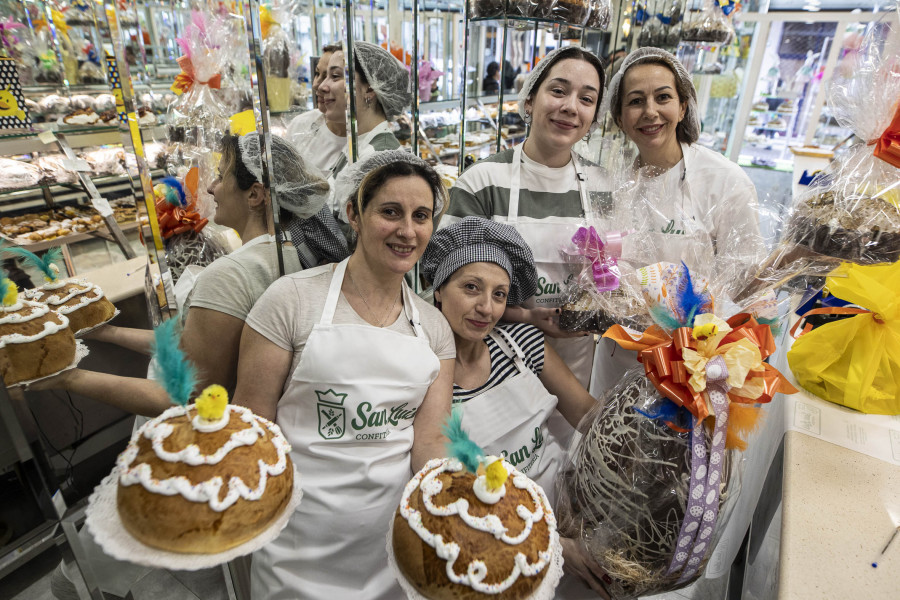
[[366, 302]]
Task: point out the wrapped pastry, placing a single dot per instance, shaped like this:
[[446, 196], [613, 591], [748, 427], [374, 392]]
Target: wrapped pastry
[[16, 174], [601, 14], [710, 26], [53, 170], [53, 106], [81, 102], [486, 9], [106, 161], [104, 102], [656, 471]]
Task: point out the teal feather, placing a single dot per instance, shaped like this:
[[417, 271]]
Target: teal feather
[[460, 446], [178, 374], [774, 324], [41, 263], [662, 317], [4, 285]]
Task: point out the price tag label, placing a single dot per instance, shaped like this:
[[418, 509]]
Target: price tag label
[[102, 206], [76, 164], [48, 137]]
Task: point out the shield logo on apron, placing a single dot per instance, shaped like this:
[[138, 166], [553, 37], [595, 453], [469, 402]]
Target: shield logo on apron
[[332, 418]]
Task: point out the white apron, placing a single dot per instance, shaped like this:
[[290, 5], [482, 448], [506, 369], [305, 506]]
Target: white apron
[[348, 412], [547, 237], [513, 420]]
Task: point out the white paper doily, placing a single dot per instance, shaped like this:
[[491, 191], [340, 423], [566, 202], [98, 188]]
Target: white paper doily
[[546, 591], [81, 350], [81, 332], [102, 520]]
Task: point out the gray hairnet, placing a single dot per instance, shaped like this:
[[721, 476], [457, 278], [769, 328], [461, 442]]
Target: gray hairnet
[[299, 188], [347, 183], [387, 76], [548, 61], [688, 129]]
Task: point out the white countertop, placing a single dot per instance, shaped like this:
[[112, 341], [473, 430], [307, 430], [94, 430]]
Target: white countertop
[[120, 280]]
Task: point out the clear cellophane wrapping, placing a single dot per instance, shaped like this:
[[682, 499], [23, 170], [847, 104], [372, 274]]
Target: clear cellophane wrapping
[[625, 491], [851, 210]]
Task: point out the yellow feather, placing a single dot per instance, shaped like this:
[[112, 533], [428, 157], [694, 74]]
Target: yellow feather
[[211, 402], [743, 419]]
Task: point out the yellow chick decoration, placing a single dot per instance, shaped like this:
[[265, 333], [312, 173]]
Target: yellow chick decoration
[[701, 332], [10, 292], [211, 402], [495, 475]]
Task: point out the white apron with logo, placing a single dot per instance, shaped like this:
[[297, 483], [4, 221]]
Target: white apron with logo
[[348, 412], [513, 420], [547, 237]]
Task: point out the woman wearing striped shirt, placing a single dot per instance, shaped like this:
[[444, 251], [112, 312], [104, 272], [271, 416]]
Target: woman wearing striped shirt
[[543, 189], [517, 395]]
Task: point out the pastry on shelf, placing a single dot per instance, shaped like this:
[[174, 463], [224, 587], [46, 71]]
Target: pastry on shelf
[[786, 107], [35, 341], [109, 117], [146, 116], [53, 105], [571, 12], [777, 123], [82, 116], [104, 102], [760, 106], [754, 120], [16, 174]]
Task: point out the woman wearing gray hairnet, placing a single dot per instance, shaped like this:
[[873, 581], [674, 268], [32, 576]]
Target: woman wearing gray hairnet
[[357, 371], [508, 382], [227, 289], [541, 187]]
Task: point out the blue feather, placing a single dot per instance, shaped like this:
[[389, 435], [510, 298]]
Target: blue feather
[[174, 184], [41, 263], [687, 300], [4, 285], [178, 374], [460, 446], [667, 412]]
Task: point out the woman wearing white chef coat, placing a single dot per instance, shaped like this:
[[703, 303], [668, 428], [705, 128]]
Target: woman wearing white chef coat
[[690, 203], [357, 371], [508, 381], [543, 189]]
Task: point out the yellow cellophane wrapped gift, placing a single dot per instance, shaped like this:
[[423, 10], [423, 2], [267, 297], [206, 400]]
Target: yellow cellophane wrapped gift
[[855, 362]]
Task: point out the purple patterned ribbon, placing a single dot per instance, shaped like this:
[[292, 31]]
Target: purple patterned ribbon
[[703, 505]]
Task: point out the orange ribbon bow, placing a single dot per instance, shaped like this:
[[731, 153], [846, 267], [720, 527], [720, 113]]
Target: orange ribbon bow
[[664, 363], [887, 147], [186, 79]]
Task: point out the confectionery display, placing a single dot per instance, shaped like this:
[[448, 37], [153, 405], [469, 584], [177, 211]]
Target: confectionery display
[[472, 530], [35, 341], [81, 302], [193, 482]]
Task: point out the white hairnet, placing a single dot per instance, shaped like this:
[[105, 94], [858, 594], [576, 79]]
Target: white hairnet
[[347, 184], [548, 61], [387, 76], [299, 188], [690, 125]]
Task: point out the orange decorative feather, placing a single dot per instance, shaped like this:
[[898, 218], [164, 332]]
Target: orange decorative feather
[[743, 419]]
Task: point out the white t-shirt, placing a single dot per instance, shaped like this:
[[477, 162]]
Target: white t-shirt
[[315, 142], [288, 310]]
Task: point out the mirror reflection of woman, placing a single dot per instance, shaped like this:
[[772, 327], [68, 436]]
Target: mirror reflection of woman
[[319, 140], [326, 353], [227, 289], [541, 187], [507, 381]]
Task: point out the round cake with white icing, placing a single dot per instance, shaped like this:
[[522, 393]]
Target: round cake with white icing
[[455, 538], [83, 303], [34, 341], [192, 485]]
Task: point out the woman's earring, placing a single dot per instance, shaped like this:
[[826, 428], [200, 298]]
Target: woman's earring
[[528, 118]]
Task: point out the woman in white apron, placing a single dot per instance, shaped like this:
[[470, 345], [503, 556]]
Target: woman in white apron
[[508, 382], [543, 189], [357, 371], [688, 203]]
